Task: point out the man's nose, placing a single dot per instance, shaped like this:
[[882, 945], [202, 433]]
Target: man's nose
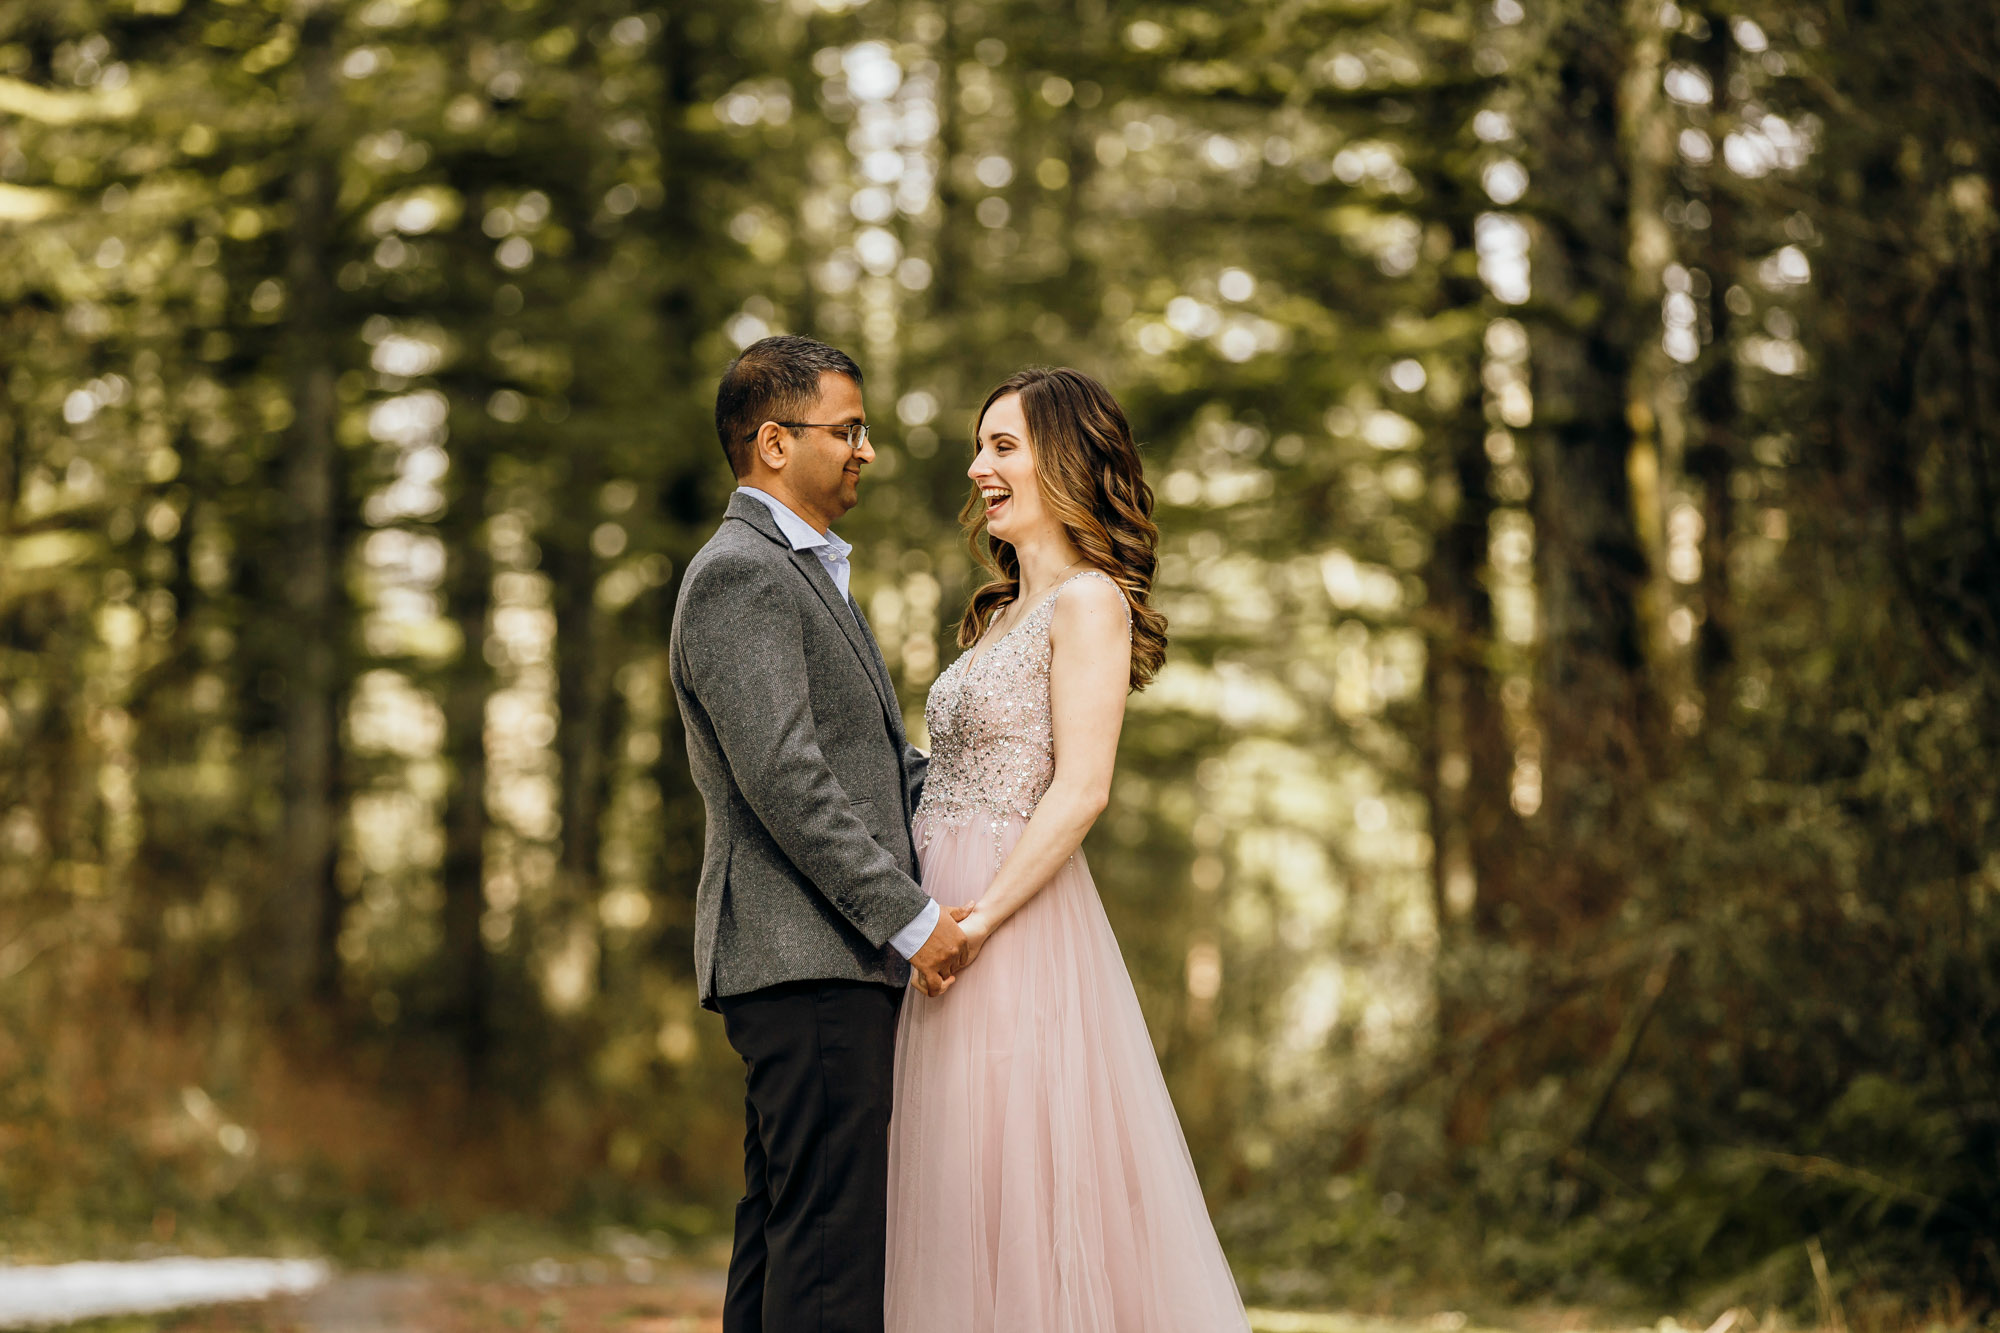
[[866, 453]]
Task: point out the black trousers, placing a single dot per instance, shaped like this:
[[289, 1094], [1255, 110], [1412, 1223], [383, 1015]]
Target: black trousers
[[811, 1229]]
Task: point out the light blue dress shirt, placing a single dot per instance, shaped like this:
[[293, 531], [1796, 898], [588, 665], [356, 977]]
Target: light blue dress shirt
[[832, 553]]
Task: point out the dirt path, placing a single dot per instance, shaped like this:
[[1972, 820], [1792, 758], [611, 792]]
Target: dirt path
[[363, 1303], [684, 1302]]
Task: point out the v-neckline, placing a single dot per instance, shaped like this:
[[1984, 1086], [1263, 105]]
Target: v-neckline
[[980, 653]]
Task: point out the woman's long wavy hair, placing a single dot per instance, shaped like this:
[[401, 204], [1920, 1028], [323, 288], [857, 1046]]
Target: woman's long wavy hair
[[1092, 481]]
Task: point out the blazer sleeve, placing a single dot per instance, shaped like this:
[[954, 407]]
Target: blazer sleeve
[[916, 767], [742, 648]]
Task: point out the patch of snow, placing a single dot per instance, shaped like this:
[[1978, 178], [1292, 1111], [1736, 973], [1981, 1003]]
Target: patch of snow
[[60, 1293]]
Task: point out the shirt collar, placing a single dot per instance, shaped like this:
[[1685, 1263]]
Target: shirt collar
[[802, 535]]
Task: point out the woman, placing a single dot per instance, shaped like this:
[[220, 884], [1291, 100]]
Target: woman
[[1038, 1179]]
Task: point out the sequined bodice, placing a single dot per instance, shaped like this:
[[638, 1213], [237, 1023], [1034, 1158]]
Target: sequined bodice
[[992, 740]]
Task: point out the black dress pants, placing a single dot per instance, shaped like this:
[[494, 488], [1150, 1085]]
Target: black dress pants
[[811, 1229]]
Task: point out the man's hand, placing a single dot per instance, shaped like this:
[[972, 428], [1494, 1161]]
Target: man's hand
[[943, 954]]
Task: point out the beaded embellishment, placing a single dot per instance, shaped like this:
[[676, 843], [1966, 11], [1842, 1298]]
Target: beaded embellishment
[[993, 750]]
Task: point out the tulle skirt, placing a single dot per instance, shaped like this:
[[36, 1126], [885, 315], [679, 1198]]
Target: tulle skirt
[[1038, 1178]]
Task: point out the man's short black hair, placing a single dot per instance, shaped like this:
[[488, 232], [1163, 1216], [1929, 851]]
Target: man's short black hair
[[776, 379]]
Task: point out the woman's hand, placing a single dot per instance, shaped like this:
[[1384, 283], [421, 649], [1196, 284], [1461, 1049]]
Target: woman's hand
[[978, 928]]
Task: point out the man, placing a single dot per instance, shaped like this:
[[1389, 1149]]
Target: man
[[808, 904]]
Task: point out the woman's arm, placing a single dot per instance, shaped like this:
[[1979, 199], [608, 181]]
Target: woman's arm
[[1089, 675]]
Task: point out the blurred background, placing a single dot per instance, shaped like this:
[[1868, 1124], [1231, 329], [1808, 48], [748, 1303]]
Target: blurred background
[[1559, 859]]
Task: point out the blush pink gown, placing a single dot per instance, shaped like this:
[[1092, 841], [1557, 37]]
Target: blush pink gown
[[1038, 1178]]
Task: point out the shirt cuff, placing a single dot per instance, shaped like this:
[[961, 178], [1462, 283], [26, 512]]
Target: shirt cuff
[[913, 936]]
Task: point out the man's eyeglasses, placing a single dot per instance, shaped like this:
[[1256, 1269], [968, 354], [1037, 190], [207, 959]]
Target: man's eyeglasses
[[856, 432]]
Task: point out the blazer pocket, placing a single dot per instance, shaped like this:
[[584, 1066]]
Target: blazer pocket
[[864, 810]]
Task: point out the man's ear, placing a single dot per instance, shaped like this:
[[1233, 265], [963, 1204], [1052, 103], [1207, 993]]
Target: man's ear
[[773, 446]]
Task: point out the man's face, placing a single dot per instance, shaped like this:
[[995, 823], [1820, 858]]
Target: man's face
[[825, 475]]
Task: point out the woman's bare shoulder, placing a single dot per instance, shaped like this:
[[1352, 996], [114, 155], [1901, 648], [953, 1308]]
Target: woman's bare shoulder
[[1091, 604]]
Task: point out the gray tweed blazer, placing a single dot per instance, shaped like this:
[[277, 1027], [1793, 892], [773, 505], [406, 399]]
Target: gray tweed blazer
[[796, 742]]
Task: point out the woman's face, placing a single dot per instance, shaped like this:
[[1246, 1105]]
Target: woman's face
[[1004, 472]]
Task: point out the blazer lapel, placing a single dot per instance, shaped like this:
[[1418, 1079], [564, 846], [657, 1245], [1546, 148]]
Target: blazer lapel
[[850, 623], [881, 668], [849, 619]]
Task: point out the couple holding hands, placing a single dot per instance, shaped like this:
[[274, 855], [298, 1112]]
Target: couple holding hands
[[996, 1153]]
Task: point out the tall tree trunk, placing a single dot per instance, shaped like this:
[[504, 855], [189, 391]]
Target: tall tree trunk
[[466, 970], [1647, 141], [308, 907], [1481, 842], [685, 163], [10, 463], [583, 686], [1713, 452], [954, 258], [1480, 845], [686, 309], [170, 863], [1591, 564]]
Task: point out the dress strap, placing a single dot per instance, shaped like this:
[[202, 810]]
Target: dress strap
[[1090, 574]]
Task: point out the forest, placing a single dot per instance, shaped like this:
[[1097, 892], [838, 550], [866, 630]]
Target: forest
[[1559, 859]]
